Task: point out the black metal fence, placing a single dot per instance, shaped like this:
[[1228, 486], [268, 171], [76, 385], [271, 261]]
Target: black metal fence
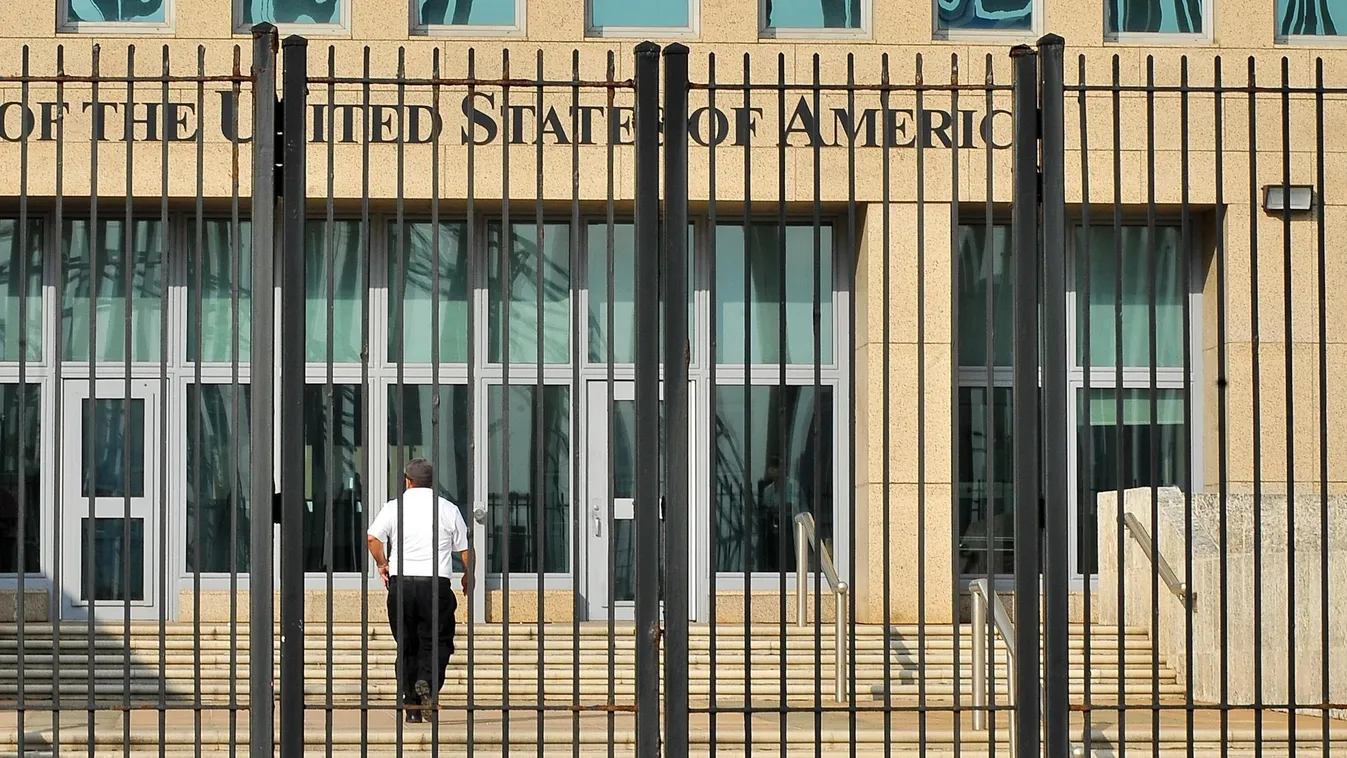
[[793, 404]]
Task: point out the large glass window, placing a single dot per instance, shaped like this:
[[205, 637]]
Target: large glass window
[[622, 271], [116, 11], [121, 268], [20, 469], [758, 272], [336, 286], [1313, 18], [535, 305], [466, 13], [219, 475], [639, 14], [811, 14], [984, 15], [292, 11], [20, 288], [773, 461], [428, 277], [334, 474], [1154, 16], [225, 274], [529, 438], [1121, 281]]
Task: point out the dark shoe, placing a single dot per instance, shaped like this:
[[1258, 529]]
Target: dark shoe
[[413, 715], [423, 692]]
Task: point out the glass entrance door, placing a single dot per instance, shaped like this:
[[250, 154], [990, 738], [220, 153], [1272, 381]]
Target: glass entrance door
[[610, 520], [109, 512]]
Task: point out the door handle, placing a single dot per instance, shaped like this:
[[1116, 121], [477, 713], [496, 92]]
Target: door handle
[[598, 522]]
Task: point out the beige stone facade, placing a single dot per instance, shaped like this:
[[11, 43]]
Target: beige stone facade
[[905, 362]]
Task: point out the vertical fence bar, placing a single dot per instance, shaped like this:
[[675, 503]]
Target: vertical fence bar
[[1085, 474], [21, 531], [329, 464], [60, 502], [128, 324], [296, 61], [711, 413], [676, 353], [235, 391], [1256, 411], [366, 235], [1024, 263], [539, 395], [1321, 280], [163, 393], [853, 467], [1185, 278], [1222, 410], [886, 221], [261, 650], [646, 360], [1119, 464], [580, 517], [1289, 351], [195, 410], [750, 497], [1153, 467], [88, 561], [1056, 476]]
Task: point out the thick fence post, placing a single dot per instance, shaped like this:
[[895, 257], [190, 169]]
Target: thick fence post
[[676, 355], [646, 359], [1025, 414], [262, 685], [296, 52], [1056, 502]]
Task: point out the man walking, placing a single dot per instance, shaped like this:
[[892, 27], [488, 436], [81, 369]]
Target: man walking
[[420, 619]]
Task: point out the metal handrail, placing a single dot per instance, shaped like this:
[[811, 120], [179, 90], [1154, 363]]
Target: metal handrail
[[805, 537], [1171, 579], [985, 600]]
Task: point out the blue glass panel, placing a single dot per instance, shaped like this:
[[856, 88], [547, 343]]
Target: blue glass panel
[[1155, 16], [985, 14], [104, 11], [813, 14], [292, 11], [467, 12], [639, 13], [1311, 17]]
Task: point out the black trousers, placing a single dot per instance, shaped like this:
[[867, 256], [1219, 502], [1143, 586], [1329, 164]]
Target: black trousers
[[411, 609]]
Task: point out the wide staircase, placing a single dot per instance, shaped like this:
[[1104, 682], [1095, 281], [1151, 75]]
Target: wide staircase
[[570, 691]]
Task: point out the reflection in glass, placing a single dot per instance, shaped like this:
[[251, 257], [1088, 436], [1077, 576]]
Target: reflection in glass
[[419, 288], [639, 13], [218, 477], [813, 14], [1163, 16], [219, 279], [770, 466], [984, 261], [291, 11], [115, 542], [622, 545], [537, 443], [765, 292], [624, 296], [104, 427], [333, 464], [467, 12], [17, 264], [346, 256], [109, 284], [20, 462], [1137, 274], [1311, 17], [411, 432], [1126, 446], [116, 11], [984, 14], [522, 311]]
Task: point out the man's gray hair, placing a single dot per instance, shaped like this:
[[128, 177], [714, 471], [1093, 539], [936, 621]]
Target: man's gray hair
[[420, 473]]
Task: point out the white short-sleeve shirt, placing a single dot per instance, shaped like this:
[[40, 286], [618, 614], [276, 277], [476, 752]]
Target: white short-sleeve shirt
[[416, 548]]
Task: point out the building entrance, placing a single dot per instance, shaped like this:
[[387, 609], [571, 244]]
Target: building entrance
[[110, 511], [610, 519]]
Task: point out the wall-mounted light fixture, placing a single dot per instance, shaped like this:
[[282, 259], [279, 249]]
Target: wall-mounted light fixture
[[1295, 198]]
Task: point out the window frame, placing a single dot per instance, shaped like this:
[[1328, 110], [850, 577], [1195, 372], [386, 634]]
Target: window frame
[[1036, 23], [342, 29], [863, 32], [64, 24], [1171, 378], [421, 29], [1163, 38], [691, 31]]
